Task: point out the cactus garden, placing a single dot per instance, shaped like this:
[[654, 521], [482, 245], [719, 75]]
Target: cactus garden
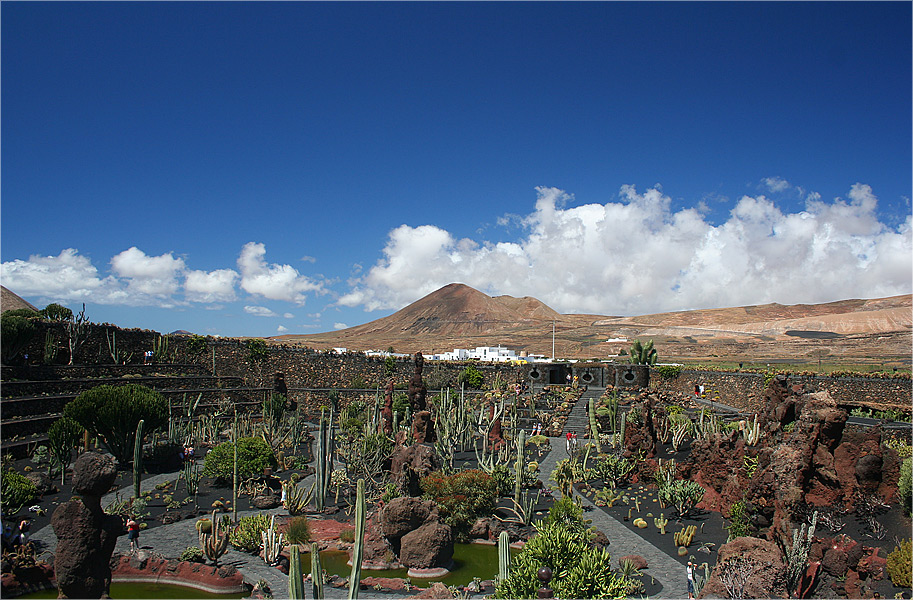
[[472, 491]]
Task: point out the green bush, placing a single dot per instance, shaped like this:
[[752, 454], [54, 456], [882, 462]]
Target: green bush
[[567, 514], [246, 535], [192, 554], [668, 371], [464, 496], [739, 522], [472, 377], [16, 332], [254, 455], [196, 345], [905, 485], [299, 530], [16, 491], [899, 564], [578, 570], [56, 312], [63, 435], [113, 412]]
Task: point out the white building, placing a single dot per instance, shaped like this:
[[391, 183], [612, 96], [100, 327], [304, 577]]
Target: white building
[[481, 353]]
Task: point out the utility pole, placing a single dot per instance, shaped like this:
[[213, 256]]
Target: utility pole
[[553, 340]]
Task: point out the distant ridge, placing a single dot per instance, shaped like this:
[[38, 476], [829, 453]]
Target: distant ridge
[[458, 316], [10, 301]]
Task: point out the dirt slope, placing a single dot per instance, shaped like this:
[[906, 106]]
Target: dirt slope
[[458, 316]]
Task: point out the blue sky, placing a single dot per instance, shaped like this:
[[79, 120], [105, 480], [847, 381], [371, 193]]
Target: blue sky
[[264, 168]]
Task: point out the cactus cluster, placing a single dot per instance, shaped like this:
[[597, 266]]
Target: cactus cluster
[[273, 542], [684, 537], [215, 542]]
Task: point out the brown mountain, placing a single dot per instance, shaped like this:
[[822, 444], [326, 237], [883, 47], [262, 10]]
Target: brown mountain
[[458, 316], [10, 301]]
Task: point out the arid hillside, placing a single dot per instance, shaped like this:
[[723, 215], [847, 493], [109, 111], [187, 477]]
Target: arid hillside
[[458, 316]]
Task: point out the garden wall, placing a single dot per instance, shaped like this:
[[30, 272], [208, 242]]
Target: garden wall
[[744, 390]]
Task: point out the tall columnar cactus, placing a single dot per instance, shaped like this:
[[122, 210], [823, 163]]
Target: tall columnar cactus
[[359, 547], [321, 466], [503, 556], [138, 458], [612, 403], [621, 434], [594, 425], [295, 577], [214, 543], [234, 468], [520, 466], [273, 542], [316, 573]]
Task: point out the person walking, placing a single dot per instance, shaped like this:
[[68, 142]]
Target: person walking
[[133, 534], [690, 572]]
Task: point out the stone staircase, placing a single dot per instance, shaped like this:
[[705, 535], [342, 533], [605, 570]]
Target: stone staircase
[[578, 421]]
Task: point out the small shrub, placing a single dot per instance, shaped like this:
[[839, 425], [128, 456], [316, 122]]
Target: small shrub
[[17, 491], [905, 485], [472, 377], [246, 536], [464, 497], [192, 554], [568, 514], [899, 564], [254, 455], [347, 535], [299, 530], [739, 524]]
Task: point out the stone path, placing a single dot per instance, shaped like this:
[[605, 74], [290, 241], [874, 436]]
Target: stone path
[[622, 541]]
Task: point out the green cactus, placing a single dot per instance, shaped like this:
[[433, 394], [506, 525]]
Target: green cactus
[[214, 544], [521, 462], [295, 577], [359, 546], [234, 468], [661, 523], [594, 425], [621, 434], [273, 542], [324, 460], [612, 405], [503, 556], [138, 459], [684, 537], [643, 354], [316, 573]]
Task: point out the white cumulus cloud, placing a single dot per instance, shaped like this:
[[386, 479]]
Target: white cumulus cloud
[[260, 311], [273, 281], [213, 286], [338, 326], [637, 256], [65, 277], [148, 276]]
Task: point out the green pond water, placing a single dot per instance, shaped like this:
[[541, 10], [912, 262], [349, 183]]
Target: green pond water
[[470, 560], [148, 590]]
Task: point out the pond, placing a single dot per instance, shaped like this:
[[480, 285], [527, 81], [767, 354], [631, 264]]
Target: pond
[[149, 590], [470, 560]]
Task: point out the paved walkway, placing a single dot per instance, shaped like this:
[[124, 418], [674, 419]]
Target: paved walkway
[[622, 541]]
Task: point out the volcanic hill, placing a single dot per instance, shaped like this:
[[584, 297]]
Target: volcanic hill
[[458, 316]]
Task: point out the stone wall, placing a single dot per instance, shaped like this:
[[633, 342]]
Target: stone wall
[[744, 390]]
